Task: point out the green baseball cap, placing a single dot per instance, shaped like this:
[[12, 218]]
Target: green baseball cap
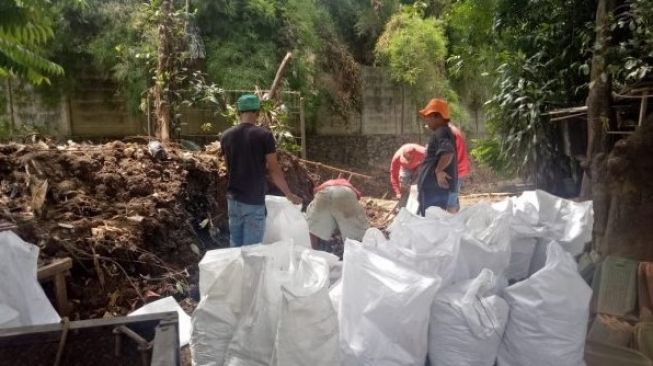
[[248, 103]]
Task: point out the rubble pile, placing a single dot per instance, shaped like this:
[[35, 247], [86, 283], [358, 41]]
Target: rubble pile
[[135, 225]]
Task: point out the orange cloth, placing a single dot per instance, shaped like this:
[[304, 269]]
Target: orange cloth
[[338, 182], [464, 166], [409, 157], [436, 106]]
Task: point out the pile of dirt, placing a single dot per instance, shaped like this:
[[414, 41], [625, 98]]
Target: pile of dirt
[[135, 226]]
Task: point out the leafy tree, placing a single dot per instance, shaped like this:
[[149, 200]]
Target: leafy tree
[[547, 47], [25, 28], [414, 49]]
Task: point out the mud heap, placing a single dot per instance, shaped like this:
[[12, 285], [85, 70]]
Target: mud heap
[[134, 225]]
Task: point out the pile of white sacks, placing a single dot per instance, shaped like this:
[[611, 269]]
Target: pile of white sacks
[[493, 284]]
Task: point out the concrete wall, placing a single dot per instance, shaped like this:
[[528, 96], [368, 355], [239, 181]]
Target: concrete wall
[[28, 111], [358, 151], [95, 110]]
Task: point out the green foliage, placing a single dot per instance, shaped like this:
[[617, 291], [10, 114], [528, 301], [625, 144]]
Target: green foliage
[[414, 49], [474, 50], [632, 58], [25, 28], [274, 116], [547, 43], [489, 153]]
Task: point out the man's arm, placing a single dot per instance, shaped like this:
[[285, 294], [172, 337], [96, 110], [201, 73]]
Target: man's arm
[[394, 176], [278, 179], [440, 175]]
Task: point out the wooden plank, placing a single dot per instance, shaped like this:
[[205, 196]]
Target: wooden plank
[[54, 268], [61, 294], [567, 110]]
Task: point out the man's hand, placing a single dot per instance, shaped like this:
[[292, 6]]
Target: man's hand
[[295, 199], [398, 196], [442, 178]]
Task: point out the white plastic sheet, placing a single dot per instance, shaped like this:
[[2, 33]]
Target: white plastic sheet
[[167, 304], [19, 288], [285, 221], [548, 315], [467, 323], [384, 310]]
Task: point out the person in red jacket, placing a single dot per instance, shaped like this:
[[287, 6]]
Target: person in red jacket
[[336, 206], [403, 170], [464, 167]]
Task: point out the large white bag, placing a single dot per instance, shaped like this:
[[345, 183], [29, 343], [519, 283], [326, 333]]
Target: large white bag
[[19, 288], [254, 296], [548, 315], [485, 242], [285, 221], [542, 215], [467, 323], [430, 246], [216, 316], [384, 310], [308, 325]]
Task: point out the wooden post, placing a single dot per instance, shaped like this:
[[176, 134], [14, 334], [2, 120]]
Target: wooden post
[[302, 126], [642, 108]]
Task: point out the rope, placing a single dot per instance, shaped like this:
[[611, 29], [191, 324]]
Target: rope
[[62, 342]]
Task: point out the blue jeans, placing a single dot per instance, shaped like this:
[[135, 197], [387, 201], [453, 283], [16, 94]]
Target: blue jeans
[[439, 199], [454, 199], [246, 223]]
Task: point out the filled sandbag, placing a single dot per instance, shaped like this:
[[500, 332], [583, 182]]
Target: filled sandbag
[[467, 323], [485, 242], [549, 313], [384, 310], [285, 221]]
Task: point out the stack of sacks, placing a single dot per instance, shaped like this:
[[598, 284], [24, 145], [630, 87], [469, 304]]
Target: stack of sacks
[[265, 305]]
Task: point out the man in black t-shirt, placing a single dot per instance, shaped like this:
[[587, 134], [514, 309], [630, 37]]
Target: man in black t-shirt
[[438, 173], [250, 151]]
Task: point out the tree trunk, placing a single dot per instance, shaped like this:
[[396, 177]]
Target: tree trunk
[[625, 197], [599, 98], [621, 180], [161, 89]]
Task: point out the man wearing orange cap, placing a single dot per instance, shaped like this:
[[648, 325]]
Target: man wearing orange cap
[[438, 174], [403, 170]]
